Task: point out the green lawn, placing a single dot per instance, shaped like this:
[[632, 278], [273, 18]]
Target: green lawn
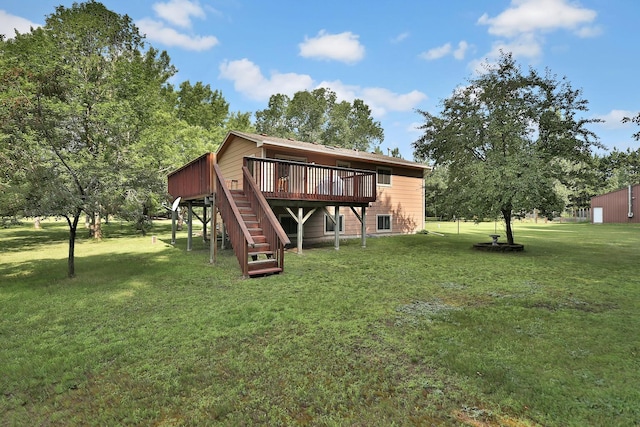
[[412, 330]]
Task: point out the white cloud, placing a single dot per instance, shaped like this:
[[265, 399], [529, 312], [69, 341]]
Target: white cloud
[[527, 16], [461, 50], [10, 23], [344, 47], [613, 119], [158, 31], [400, 37], [380, 100], [436, 52], [248, 79], [179, 12], [446, 49], [526, 46]]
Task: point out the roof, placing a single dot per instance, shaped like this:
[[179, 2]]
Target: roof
[[363, 156]]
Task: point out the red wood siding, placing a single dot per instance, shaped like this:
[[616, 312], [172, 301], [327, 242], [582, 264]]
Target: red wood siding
[[194, 180]]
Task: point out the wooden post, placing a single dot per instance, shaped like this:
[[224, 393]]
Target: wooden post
[[174, 217], [190, 225], [223, 233], [300, 228], [213, 240], [363, 224], [204, 222], [336, 228]]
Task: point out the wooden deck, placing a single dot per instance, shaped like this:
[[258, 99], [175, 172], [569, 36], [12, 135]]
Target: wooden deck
[[281, 181], [286, 180]]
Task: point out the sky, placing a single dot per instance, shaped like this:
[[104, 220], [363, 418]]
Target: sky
[[397, 56]]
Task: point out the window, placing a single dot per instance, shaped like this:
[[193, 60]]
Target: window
[[383, 222], [384, 176], [329, 226], [343, 164]]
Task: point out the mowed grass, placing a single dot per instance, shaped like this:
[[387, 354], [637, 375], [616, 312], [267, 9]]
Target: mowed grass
[[412, 330]]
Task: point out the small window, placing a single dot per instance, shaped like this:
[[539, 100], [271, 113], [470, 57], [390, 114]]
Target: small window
[[383, 223], [329, 226], [384, 176], [343, 164]]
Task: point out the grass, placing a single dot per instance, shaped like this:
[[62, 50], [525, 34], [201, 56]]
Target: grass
[[412, 330]]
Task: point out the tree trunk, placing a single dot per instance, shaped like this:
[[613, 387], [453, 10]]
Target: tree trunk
[[506, 214], [180, 219], [73, 227], [97, 226]]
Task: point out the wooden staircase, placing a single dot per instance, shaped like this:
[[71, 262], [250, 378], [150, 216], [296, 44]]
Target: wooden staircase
[[261, 260]]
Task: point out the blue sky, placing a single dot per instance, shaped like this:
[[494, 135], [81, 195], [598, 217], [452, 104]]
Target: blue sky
[[398, 56]]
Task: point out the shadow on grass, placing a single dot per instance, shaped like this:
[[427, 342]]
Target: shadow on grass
[[23, 238]]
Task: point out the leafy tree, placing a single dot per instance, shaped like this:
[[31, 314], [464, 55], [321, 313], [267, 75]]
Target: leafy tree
[[198, 105], [316, 116], [396, 153], [636, 120], [622, 168], [78, 94], [435, 191], [507, 139]]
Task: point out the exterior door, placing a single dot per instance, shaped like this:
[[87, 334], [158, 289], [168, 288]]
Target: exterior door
[[598, 216]]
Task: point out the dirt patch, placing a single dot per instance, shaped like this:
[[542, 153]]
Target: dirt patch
[[422, 310]]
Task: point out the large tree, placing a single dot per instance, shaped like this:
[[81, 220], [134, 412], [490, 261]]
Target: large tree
[[77, 95], [316, 116], [508, 139]]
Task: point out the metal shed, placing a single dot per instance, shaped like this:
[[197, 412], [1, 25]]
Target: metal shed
[[621, 206]]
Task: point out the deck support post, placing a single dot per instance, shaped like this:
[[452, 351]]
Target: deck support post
[[336, 228], [363, 227], [189, 225], [213, 240], [300, 219], [174, 217], [204, 221], [362, 217], [300, 222]]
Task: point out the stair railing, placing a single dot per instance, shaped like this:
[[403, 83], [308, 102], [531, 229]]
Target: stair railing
[[239, 235], [271, 228]]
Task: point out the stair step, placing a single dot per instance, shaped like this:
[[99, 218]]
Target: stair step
[[260, 238], [263, 263], [265, 271], [258, 252], [260, 247], [255, 231]]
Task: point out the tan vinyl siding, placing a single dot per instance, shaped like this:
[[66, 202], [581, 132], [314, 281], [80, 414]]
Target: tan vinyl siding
[[403, 201], [230, 161]]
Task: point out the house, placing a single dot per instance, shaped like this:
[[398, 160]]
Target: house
[[273, 192], [621, 206]]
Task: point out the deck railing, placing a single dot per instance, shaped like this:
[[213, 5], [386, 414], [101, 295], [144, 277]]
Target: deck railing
[[271, 228], [283, 179], [238, 233], [193, 180]]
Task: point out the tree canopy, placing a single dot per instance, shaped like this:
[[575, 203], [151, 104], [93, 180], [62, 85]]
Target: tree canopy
[[89, 123], [509, 140], [316, 116]]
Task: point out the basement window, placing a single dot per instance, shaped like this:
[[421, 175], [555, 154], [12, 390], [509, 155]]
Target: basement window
[[330, 227], [383, 222]]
